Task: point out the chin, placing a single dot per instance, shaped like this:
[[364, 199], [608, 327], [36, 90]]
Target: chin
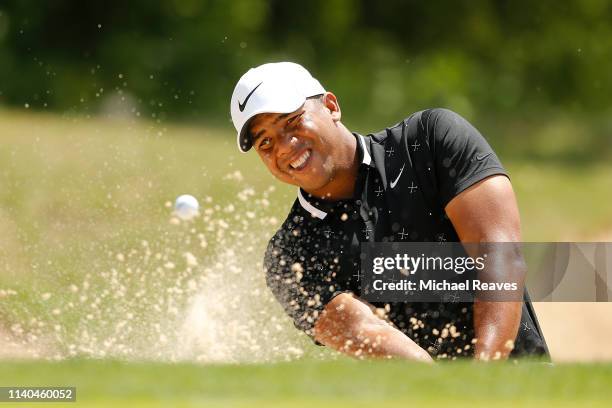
[[312, 181]]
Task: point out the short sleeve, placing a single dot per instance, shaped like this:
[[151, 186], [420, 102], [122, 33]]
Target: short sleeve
[[300, 276], [462, 156]]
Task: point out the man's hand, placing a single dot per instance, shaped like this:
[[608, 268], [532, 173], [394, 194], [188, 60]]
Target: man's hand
[[350, 326], [487, 212]]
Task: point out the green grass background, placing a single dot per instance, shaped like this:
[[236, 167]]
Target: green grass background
[[341, 383]]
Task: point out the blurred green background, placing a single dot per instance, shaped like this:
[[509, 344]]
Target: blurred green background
[[531, 68], [539, 62], [109, 110]]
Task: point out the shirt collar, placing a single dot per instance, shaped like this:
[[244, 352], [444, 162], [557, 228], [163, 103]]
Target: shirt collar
[[319, 208]]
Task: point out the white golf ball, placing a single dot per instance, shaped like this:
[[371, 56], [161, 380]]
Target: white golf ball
[[186, 207]]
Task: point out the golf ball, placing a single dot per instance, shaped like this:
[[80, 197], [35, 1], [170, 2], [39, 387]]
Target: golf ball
[[186, 207]]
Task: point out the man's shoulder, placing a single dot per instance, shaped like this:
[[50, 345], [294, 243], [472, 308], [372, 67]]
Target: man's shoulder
[[297, 240], [294, 217], [288, 235], [412, 124]]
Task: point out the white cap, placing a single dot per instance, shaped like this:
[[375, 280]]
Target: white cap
[[280, 87]]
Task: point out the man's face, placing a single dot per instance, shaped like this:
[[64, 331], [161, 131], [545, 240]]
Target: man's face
[[298, 147]]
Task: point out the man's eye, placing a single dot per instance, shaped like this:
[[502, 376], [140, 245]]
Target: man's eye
[[264, 143]]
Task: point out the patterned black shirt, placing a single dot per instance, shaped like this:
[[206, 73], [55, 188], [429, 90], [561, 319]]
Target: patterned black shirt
[[408, 174]]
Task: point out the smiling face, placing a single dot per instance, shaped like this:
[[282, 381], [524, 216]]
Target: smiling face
[[308, 148]]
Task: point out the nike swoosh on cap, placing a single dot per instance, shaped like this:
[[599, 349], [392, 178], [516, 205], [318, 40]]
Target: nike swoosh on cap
[[394, 182], [242, 105]]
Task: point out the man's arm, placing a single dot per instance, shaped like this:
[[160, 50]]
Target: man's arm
[[349, 325], [487, 212]]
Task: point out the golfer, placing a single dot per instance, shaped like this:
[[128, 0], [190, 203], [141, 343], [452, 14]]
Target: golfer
[[430, 177]]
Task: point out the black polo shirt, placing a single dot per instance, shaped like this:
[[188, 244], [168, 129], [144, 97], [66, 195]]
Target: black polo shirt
[[408, 173]]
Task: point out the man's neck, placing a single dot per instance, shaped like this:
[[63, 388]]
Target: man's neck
[[342, 185]]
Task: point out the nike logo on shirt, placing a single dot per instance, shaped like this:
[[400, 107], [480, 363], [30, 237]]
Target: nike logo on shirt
[[394, 182], [242, 105], [480, 157]]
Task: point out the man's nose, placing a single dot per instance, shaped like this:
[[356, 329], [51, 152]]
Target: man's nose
[[287, 145]]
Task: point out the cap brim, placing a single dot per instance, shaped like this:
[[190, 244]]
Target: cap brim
[[244, 139]]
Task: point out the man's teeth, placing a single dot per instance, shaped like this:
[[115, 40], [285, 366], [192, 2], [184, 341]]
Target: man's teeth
[[300, 160]]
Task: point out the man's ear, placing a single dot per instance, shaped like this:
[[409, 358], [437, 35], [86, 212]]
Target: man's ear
[[331, 104]]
